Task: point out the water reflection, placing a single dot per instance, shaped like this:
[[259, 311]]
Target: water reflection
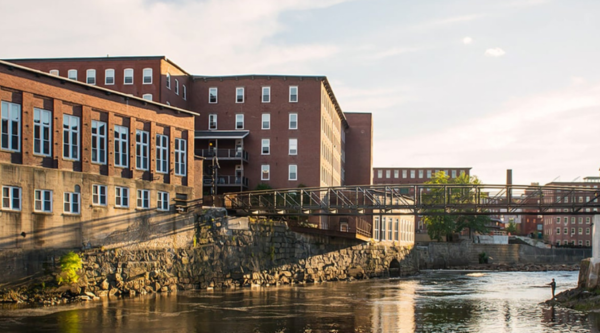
[[433, 302]]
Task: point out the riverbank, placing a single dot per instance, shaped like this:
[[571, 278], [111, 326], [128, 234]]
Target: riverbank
[[519, 267], [580, 299]]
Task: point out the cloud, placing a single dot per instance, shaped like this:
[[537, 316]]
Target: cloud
[[495, 52], [467, 40], [448, 21]]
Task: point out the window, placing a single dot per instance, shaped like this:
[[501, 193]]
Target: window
[[587, 243], [558, 231], [396, 173], [212, 95], [143, 199], [121, 146], [580, 220], [72, 74], [390, 228], [379, 173], [293, 94], [572, 220], [54, 72], [212, 121], [109, 77], [71, 203], [376, 229], [168, 81], [90, 76], [176, 87], [239, 95], [388, 173], [11, 126], [293, 147], [11, 197], [383, 224], [147, 76], [128, 76], [580, 231], [265, 172], [293, 172], [266, 147], [163, 201], [396, 226], [566, 219], [147, 97], [162, 153], [42, 201], [412, 173], [239, 121], [572, 231], [70, 137], [98, 142], [558, 220], [587, 220], [184, 92], [453, 173], [420, 173], [266, 95], [404, 173], [142, 149], [121, 196], [180, 157], [293, 121], [266, 121], [42, 132], [99, 195]]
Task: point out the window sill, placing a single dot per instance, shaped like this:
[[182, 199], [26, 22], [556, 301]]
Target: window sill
[[121, 207], [98, 206], [42, 213]]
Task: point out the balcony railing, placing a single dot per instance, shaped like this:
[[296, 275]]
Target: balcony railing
[[223, 180], [224, 154]]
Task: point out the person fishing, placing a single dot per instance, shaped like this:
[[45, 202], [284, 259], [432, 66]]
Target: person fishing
[[553, 286]]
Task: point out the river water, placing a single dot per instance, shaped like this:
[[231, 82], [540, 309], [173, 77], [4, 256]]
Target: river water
[[434, 301]]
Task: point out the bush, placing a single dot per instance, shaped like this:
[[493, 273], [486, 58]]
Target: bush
[[70, 263], [483, 258]]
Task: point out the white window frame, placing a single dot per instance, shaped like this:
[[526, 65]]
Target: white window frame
[[404, 173], [292, 100], [396, 173], [184, 92], [54, 72], [11, 198], [428, 173], [147, 97], [42, 126], [180, 157], [109, 73], [212, 121], [212, 90], [237, 94], [293, 172], [147, 73], [265, 143], [143, 199], [293, 147], [41, 198], [11, 119], [291, 122], [99, 131], [72, 74], [162, 153], [388, 174], [379, 173], [376, 228], [265, 119], [176, 87], [121, 197], [126, 71], [121, 151], [265, 172], [168, 81], [73, 137], [90, 74], [99, 195], [163, 201], [420, 174], [239, 119], [71, 203], [265, 92], [142, 150], [412, 174]]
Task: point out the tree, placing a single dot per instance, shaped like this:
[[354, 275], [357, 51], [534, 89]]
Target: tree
[[439, 226], [512, 228]]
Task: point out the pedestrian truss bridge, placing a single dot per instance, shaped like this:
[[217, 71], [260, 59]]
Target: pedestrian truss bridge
[[421, 199]]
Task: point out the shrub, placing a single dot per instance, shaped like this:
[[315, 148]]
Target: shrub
[[70, 263], [483, 258]]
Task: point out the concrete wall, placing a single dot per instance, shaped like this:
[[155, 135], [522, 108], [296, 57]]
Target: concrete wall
[[444, 255]]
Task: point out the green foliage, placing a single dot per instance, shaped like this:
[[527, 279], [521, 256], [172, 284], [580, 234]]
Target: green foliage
[[439, 226], [263, 186], [70, 263], [512, 227], [483, 258], [272, 250]]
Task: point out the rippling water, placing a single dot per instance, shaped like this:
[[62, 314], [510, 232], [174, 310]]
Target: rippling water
[[440, 301]]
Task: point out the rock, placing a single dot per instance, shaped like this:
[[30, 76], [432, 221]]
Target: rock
[[104, 285]]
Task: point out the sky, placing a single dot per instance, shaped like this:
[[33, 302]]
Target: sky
[[492, 85]]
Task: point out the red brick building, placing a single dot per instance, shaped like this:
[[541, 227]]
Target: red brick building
[[78, 162], [394, 175], [566, 229]]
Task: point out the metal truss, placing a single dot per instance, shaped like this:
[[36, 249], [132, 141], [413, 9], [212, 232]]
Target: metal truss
[[421, 199]]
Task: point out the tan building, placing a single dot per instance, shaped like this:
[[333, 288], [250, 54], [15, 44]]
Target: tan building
[[78, 161]]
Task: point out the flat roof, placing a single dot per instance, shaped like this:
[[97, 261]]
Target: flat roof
[[109, 58], [11, 65]]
